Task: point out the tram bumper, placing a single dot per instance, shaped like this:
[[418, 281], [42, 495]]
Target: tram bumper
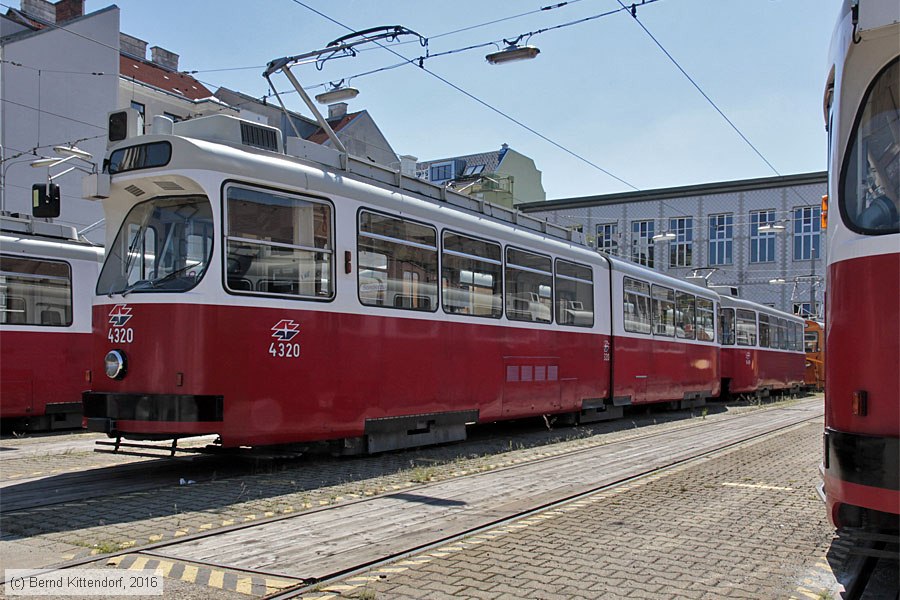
[[176, 414]]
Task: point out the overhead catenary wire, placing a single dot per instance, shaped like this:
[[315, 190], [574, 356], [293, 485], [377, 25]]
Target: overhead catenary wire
[[479, 100]]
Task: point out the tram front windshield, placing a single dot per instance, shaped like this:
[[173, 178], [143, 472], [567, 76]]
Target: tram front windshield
[[164, 245]]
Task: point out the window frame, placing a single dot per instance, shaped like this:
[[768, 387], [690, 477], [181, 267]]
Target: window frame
[[506, 287], [639, 294], [724, 243], [437, 259], [499, 273], [807, 233], [765, 240], [291, 195], [575, 279], [669, 326], [68, 278], [682, 247]]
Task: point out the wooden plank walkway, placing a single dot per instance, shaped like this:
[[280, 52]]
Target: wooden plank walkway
[[320, 543]]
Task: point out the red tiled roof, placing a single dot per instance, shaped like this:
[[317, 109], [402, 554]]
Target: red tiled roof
[[320, 137], [170, 81]]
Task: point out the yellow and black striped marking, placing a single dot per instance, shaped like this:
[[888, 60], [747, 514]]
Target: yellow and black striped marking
[[240, 582]]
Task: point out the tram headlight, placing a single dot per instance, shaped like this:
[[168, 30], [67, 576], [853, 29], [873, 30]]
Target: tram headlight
[[116, 364]]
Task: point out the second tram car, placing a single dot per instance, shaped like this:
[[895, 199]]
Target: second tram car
[[271, 299], [46, 278], [861, 463], [761, 348]]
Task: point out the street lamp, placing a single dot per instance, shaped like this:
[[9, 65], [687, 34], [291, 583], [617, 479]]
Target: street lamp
[[338, 93], [513, 52]]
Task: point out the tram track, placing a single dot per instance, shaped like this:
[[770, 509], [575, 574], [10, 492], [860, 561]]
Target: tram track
[[488, 517], [110, 480]]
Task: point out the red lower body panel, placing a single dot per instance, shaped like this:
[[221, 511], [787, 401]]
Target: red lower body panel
[[38, 369]]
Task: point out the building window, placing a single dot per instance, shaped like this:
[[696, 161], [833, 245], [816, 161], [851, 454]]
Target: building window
[[440, 172], [681, 249], [806, 232], [608, 238], [143, 115], [806, 310], [762, 245], [642, 242], [721, 236]]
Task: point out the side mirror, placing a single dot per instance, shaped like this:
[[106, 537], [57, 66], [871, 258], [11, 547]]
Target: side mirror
[[45, 200]]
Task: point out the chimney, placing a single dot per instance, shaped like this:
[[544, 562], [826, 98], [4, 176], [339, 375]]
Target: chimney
[[337, 110], [39, 9], [164, 58], [408, 165], [133, 46], [66, 10]]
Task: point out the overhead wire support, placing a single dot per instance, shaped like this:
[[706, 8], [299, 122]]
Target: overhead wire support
[[341, 47], [479, 100]]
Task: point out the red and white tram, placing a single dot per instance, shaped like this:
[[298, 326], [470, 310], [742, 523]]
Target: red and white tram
[[272, 299], [46, 281], [862, 389], [760, 348]]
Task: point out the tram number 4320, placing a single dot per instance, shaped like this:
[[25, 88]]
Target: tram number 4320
[[120, 335], [284, 350]]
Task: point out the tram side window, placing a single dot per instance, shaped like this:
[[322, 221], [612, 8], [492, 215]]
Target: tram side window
[[726, 326], [636, 305], [799, 335], [277, 243], [529, 286], [35, 292], [706, 320], [685, 326], [574, 294], [746, 327], [663, 311], [471, 276], [791, 336], [765, 334], [870, 191], [398, 263]]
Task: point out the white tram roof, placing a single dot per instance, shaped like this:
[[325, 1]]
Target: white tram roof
[[730, 302], [636, 271], [26, 236], [265, 144]]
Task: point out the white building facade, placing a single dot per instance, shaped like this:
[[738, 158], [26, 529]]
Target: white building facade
[[762, 236], [57, 85]]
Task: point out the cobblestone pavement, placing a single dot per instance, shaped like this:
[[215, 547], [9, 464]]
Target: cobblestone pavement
[[269, 489], [743, 524]]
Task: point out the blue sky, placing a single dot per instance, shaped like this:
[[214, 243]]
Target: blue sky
[[601, 89]]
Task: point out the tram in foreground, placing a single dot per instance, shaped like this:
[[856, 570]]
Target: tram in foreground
[[272, 299], [46, 281], [861, 463]]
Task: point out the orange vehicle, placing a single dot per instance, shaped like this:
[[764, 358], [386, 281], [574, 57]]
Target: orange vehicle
[[814, 345]]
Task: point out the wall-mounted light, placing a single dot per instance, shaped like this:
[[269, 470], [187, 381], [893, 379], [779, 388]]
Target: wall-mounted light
[[778, 281], [771, 228], [664, 236]]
